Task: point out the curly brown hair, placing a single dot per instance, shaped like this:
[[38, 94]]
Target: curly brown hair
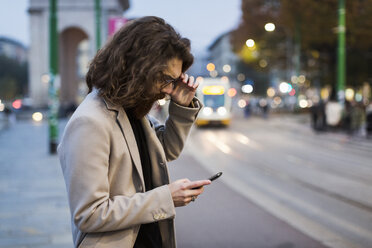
[[128, 67]]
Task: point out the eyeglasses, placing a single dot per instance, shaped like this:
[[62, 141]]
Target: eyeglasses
[[169, 80]]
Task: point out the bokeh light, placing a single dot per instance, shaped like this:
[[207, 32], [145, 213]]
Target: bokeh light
[[269, 27], [226, 68], [270, 92], [250, 43], [294, 79], [292, 92], [211, 67], [225, 79], [17, 104], [247, 88], [213, 73], [358, 97], [285, 87], [349, 94], [242, 103], [277, 100], [241, 77], [45, 78], [303, 103], [231, 92], [262, 63], [37, 116], [301, 79]]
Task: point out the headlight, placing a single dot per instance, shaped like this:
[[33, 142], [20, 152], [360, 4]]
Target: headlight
[[221, 111], [207, 111]]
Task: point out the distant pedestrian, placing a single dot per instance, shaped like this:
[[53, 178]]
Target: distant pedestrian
[[314, 116], [333, 111], [318, 116], [10, 116], [247, 108], [113, 154], [369, 120], [347, 117], [322, 117], [264, 107], [358, 119]]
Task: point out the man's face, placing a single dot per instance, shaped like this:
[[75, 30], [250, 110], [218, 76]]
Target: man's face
[[172, 74]]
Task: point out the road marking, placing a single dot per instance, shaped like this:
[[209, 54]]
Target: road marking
[[298, 221], [352, 200], [247, 141], [219, 144], [292, 217]]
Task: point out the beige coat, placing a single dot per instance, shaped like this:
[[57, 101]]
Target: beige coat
[[103, 174]]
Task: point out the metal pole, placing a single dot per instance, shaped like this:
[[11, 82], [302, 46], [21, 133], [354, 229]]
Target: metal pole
[[98, 23], [297, 50], [341, 58], [298, 47], [53, 71]]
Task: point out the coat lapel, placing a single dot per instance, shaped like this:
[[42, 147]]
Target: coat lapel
[[126, 129]]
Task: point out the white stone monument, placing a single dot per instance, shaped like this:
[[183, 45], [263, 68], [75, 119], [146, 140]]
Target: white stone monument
[[76, 31]]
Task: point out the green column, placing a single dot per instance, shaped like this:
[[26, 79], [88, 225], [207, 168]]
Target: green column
[[53, 73], [298, 46], [341, 58], [297, 50], [98, 23]]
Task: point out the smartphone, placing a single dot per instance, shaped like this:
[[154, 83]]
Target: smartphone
[[212, 178]]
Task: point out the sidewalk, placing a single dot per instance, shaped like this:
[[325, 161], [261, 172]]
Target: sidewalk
[[33, 208]]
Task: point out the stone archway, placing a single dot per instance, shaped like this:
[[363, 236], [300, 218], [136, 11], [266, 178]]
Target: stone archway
[[76, 22], [69, 41]]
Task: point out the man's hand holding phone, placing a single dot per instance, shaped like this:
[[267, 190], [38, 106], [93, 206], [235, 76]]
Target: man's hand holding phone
[[214, 177], [184, 191]]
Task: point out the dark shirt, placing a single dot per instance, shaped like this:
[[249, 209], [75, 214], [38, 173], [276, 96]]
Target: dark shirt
[[149, 234]]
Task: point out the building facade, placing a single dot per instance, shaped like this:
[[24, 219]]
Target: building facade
[[13, 49]]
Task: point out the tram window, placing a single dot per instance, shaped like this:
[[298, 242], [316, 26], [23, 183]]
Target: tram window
[[214, 101]]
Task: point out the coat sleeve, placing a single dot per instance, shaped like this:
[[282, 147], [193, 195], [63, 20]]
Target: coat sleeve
[[174, 132], [84, 155]]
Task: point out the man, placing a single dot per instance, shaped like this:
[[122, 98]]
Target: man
[[113, 155]]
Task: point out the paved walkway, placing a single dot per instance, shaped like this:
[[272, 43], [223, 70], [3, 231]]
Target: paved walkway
[[33, 209]]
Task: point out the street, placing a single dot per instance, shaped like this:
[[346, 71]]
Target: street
[[282, 186], [318, 183]]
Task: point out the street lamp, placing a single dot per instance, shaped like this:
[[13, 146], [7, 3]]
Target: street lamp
[[250, 43], [269, 27], [226, 68], [211, 67]]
